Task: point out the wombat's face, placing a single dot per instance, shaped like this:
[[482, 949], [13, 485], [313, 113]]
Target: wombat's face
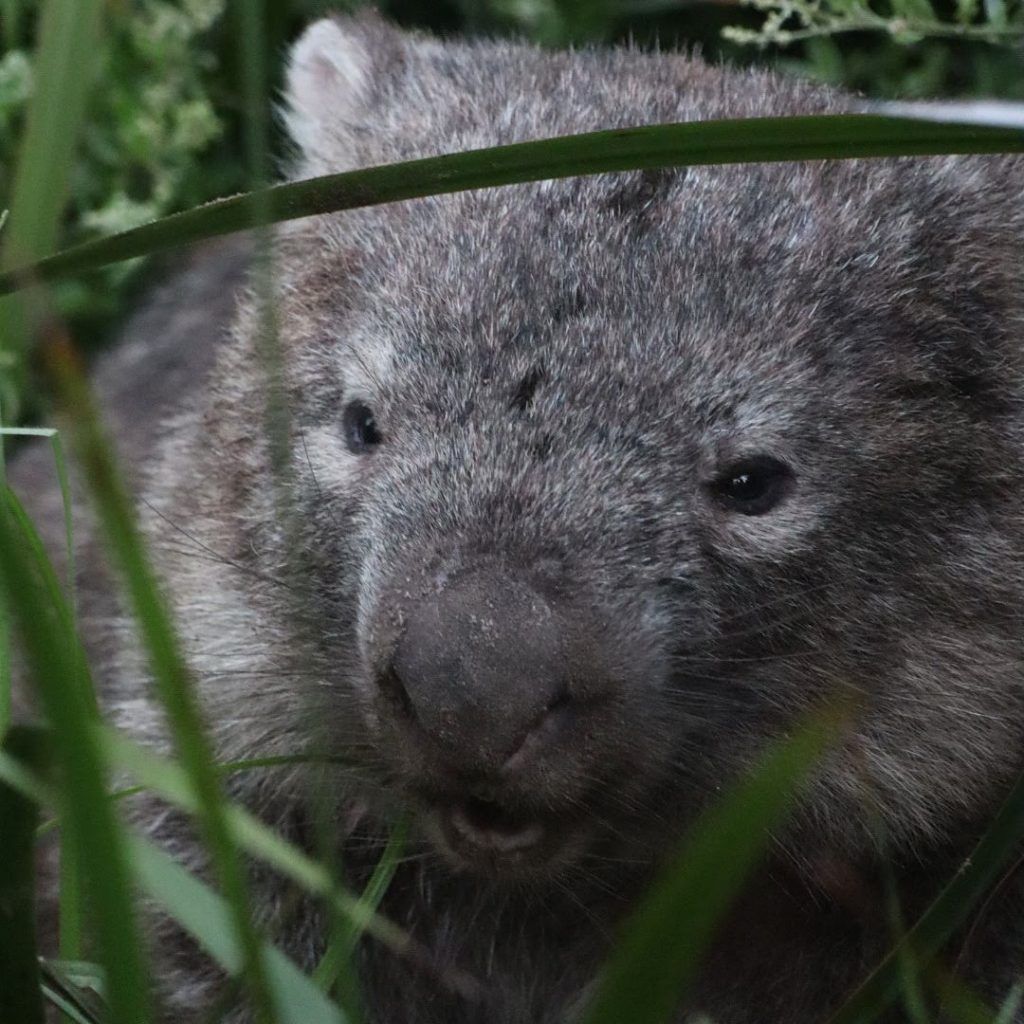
[[608, 481]]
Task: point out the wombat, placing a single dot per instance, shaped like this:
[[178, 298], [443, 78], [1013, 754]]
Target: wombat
[[590, 488]]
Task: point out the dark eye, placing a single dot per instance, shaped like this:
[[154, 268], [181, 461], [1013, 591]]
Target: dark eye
[[361, 433], [753, 486]]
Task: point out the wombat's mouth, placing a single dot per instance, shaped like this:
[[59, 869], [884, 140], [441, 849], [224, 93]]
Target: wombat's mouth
[[487, 837]]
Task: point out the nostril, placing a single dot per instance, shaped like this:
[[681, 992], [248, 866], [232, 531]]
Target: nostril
[[393, 689], [555, 718]]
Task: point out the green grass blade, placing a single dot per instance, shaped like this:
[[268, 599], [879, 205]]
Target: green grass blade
[[10, 26], [71, 896], [72, 901], [92, 828], [669, 145], [20, 998], [264, 844], [203, 913], [343, 944], [68, 1007], [60, 603], [250, 18], [76, 988], [659, 949], [64, 61], [171, 782], [207, 917], [6, 669], [955, 1000], [980, 870], [166, 661], [14, 775]]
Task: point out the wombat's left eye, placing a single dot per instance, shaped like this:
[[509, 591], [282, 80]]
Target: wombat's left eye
[[753, 486], [361, 433]]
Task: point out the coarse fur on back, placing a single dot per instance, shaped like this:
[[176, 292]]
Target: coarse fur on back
[[591, 487]]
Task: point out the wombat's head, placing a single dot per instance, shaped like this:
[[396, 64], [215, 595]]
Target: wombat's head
[[605, 481]]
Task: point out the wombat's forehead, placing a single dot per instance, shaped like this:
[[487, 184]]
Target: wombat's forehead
[[578, 366], [551, 253], [715, 281], [479, 294]]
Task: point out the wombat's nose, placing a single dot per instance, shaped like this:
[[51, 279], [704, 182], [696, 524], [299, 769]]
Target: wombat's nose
[[479, 669]]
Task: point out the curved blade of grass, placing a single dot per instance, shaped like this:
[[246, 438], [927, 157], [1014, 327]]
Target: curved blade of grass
[[208, 918], [92, 828], [745, 140], [343, 944], [166, 661], [20, 998], [659, 949], [980, 870]]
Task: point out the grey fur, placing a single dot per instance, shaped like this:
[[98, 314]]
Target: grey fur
[[560, 371]]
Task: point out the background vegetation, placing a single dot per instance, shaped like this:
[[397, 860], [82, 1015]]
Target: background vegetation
[[136, 109]]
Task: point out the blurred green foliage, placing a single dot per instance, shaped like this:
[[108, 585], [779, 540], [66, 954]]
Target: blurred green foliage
[[151, 118], [165, 124]]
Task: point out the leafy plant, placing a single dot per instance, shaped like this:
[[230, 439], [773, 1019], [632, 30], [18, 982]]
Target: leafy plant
[[906, 21]]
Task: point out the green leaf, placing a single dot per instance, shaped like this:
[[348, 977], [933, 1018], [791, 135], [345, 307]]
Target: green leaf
[[250, 834], [63, 65], [69, 1007], [980, 870], [207, 917], [836, 136], [658, 952], [199, 910], [20, 998], [72, 910], [76, 988], [343, 943], [54, 663]]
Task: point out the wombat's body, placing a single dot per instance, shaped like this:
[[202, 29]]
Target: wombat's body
[[592, 487]]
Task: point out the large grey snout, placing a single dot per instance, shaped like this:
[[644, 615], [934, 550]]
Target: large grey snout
[[480, 670]]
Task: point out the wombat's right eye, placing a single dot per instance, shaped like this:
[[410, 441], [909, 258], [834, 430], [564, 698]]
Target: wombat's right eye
[[753, 486], [361, 433]]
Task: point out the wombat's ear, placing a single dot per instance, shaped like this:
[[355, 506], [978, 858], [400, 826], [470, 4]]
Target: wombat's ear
[[334, 75]]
